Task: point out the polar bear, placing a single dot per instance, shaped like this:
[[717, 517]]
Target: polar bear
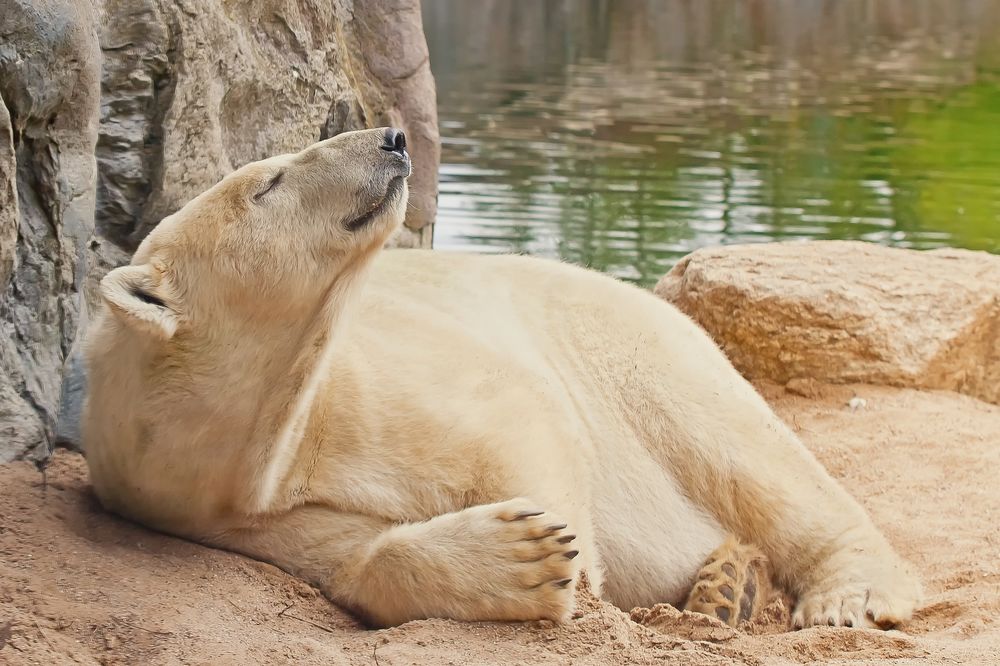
[[424, 434]]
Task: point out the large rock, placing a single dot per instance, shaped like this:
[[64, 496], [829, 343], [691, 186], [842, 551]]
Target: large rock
[[8, 198], [50, 87], [849, 312], [192, 90], [188, 91]]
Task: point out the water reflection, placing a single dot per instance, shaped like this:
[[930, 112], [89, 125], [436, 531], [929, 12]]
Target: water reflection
[[624, 134]]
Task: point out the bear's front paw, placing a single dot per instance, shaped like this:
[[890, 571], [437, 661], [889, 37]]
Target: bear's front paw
[[532, 560]]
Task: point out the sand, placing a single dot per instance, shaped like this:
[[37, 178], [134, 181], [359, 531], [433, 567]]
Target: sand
[[80, 586]]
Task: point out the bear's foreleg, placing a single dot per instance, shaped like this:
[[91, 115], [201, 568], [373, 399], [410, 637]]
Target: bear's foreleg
[[504, 561]]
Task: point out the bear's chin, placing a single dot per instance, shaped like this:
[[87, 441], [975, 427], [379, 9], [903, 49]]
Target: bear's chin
[[382, 208]]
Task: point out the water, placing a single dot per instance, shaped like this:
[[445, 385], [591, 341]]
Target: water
[[623, 134]]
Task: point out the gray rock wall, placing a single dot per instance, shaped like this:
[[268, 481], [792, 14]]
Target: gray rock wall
[[50, 86], [118, 112]]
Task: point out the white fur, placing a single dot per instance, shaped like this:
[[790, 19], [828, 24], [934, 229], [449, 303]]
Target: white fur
[[383, 435]]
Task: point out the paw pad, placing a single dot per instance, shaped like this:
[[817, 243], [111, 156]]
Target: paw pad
[[729, 585]]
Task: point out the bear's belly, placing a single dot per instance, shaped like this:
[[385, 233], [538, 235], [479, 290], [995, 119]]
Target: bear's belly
[[651, 539]]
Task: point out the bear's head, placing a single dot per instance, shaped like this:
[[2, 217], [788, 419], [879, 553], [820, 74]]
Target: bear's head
[[272, 238], [204, 363]]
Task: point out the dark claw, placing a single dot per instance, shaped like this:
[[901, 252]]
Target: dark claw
[[848, 623], [571, 554], [831, 622], [566, 539], [555, 528], [563, 583], [881, 624], [521, 515]]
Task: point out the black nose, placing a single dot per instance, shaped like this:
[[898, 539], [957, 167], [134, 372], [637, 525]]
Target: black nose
[[395, 141]]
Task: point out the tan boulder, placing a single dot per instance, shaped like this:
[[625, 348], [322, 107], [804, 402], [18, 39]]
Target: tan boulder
[[843, 311]]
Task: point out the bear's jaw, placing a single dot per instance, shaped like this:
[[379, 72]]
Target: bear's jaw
[[393, 192]]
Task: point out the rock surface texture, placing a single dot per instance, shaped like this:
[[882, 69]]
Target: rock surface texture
[[50, 86], [117, 112], [192, 90], [840, 312]]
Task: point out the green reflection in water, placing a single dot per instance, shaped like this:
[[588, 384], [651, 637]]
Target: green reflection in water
[[949, 166], [889, 134]]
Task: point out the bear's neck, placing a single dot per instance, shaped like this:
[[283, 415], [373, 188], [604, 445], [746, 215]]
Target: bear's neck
[[285, 358], [284, 411]]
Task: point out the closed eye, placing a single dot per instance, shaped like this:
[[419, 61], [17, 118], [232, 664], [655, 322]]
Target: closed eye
[[273, 183]]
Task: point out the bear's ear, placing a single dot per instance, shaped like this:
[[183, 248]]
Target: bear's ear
[[139, 297]]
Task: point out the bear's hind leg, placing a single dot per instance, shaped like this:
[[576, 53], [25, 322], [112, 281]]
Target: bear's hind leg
[[733, 585]]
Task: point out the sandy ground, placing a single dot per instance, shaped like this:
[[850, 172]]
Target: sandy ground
[[79, 586]]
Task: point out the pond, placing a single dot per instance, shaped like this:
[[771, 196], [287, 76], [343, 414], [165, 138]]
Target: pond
[[623, 134]]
